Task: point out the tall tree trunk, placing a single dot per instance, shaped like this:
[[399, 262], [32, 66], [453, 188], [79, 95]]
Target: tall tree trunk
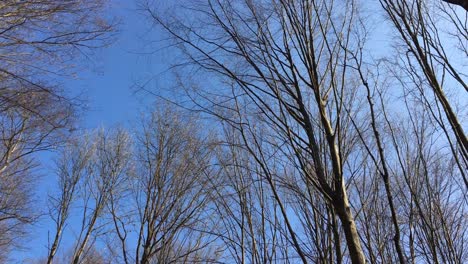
[[343, 210], [54, 247]]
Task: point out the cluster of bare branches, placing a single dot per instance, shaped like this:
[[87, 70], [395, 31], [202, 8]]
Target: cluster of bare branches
[[305, 144], [330, 153], [145, 199], [38, 41]]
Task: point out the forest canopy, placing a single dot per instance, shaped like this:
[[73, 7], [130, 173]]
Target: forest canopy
[[286, 131]]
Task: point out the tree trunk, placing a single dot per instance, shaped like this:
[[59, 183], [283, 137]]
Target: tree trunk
[[53, 249], [349, 227]]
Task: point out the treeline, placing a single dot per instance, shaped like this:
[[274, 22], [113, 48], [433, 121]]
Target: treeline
[[290, 137]]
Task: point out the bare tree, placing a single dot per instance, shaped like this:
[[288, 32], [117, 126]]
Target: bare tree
[[289, 60], [89, 170], [247, 221], [23, 133], [38, 40], [428, 65], [323, 153], [171, 188], [106, 171], [72, 168], [39, 37], [295, 81]]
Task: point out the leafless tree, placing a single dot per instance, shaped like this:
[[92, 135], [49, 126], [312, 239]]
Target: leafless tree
[[38, 40], [23, 133], [171, 189], [315, 150], [247, 221], [429, 66], [296, 81], [107, 170], [39, 37], [89, 171], [72, 169], [289, 60], [161, 215]]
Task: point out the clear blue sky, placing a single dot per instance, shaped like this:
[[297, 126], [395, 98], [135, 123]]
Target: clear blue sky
[[108, 82]]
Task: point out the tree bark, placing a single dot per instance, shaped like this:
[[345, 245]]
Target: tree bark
[[349, 226]]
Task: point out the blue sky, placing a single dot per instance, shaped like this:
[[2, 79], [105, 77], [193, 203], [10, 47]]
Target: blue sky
[[108, 82]]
